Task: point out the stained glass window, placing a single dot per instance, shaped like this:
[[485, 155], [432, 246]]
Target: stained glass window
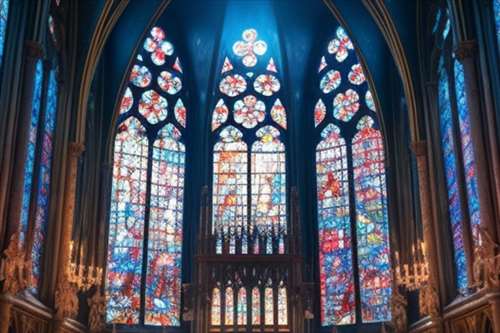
[[256, 306], [350, 155], [282, 306], [450, 164], [467, 152], [268, 306], [4, 14], [269, 186], [163, 290], [242, 306], [31, 149], [249, 193], [335, 256], [126, 222], [216, 307], [146, 212], [44, 176], [371, 221], [230, 187], [229, 300]]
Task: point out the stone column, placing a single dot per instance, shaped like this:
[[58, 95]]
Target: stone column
[[466, 52], [429, 294], [494, 301], [66, 300], [33, 52], [5, 313]]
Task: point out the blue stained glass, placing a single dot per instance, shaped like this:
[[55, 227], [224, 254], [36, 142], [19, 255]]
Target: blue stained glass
[[496, 11], [334, 224], [163, 279], [153, 149], [30, 152], [450, 165], [371, 224], [126, 223], [4, 14], [44, 173], [372, 227], [467, 152]]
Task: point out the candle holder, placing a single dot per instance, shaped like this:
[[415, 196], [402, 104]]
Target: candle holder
[[413, 276], [84, 277]]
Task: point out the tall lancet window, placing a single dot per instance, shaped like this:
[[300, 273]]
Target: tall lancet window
[[143, 281], [34, 219], [249, 194], [351, 192], [458, 158]]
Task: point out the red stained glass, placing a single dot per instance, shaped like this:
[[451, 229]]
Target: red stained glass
[[126, 223]]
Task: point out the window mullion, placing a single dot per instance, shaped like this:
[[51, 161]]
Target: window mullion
[[354, 236], [147, 214]]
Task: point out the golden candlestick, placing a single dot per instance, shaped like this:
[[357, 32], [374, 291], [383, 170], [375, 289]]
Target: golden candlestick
[[84, 277], [413, 276]]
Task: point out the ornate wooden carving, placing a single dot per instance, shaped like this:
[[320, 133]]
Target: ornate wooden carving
[[222, 269], [486, 263], [97, 304], [15, 270], [398, 309], [66, 300]]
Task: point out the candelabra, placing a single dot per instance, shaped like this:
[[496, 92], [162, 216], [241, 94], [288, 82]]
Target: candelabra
[[84, 277], [415, 275]]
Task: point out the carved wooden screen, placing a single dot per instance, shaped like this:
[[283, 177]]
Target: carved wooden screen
[[249, 194]]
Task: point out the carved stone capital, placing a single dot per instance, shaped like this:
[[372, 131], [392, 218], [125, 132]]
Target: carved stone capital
[[419, 148], [466, 49], [66, 300], [486, 265], [75, 149], [14, 271]]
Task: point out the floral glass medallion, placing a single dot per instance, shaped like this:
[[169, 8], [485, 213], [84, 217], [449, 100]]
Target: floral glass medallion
[[249, 112], [140, 76], [249, 48], [169, 83], [233, 85], [266, 84], [158, 46], [346, 105], [153, 107], [330, 81]]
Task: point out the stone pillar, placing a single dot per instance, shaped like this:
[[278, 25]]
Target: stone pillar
[[5, 313], [429, 298], [33, 52], [66, 300], [466, 52], [494, 301]]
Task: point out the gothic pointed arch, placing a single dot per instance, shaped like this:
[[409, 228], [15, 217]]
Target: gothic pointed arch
[[143, 279], [355, 278]]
